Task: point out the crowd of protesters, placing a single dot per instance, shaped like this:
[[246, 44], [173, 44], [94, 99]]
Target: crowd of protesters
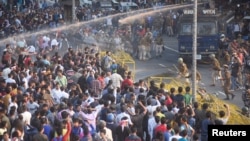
[[81, 96]]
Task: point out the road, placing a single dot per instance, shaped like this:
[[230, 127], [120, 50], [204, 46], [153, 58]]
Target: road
[[162, 65]]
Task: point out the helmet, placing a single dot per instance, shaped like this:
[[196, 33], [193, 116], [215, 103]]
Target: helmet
[[244, 110], [180, 60], [222, 35], [212, 56]]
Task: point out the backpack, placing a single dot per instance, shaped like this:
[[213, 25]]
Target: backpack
[[104, 63], [29, 131]]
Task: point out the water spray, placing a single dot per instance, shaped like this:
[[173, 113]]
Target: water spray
[[152, 12], [135, 14]]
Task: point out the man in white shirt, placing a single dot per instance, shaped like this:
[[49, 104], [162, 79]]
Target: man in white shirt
[[176, 134], [107, 78], [6, 72], [32, 105], [116, 79], [46, 40], [109, 21], [56, 93], [54, 44], [151, 126], [87, 100], [64, 94], [10, 79], [151, 108], [118, 42], [26, 115], [123, 114], [13, 103], [31, 49], [108, 134]]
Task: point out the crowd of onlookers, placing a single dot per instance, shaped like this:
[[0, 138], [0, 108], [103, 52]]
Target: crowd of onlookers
[[16, 19], [83, 96]]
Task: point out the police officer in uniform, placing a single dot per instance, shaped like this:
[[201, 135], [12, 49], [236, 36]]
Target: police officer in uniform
[[149, 39], [183, 70], [227, 57], [216, 73], [158, 45], [227, 82], [142, 49], [198, 76]]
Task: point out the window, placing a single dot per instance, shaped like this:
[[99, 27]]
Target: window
[[203, 28], [206, 28], [186, 29]]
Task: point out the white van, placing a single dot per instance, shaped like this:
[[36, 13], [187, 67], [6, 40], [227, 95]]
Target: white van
[[127, 6]]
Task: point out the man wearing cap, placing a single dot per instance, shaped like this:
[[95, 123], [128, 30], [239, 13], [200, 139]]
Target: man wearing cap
[[227, 82], [110, 124]]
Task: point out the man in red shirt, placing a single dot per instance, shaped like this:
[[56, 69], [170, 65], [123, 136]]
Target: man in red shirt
[[162, 127], [128, 81], [101, 79]]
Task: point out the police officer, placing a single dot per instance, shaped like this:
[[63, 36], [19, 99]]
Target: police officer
[[198, 77], [227, 57], [142, 49], [227, 82], [216, 69], [183, 70], [149, 40], [158, 45]]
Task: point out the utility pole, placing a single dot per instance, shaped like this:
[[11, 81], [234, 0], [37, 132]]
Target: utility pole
[[73, 10], [194, 51]]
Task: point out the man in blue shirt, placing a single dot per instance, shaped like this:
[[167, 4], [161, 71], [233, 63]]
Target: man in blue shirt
[[168, 134], [204, 126]]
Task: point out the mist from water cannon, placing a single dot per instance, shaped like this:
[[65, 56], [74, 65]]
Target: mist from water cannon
[[77, 26], [152, 12]]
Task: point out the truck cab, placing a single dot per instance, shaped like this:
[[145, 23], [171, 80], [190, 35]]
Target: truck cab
[[208, 31]]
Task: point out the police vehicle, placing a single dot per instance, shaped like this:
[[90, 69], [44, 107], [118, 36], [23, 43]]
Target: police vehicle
[[209, 27]]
